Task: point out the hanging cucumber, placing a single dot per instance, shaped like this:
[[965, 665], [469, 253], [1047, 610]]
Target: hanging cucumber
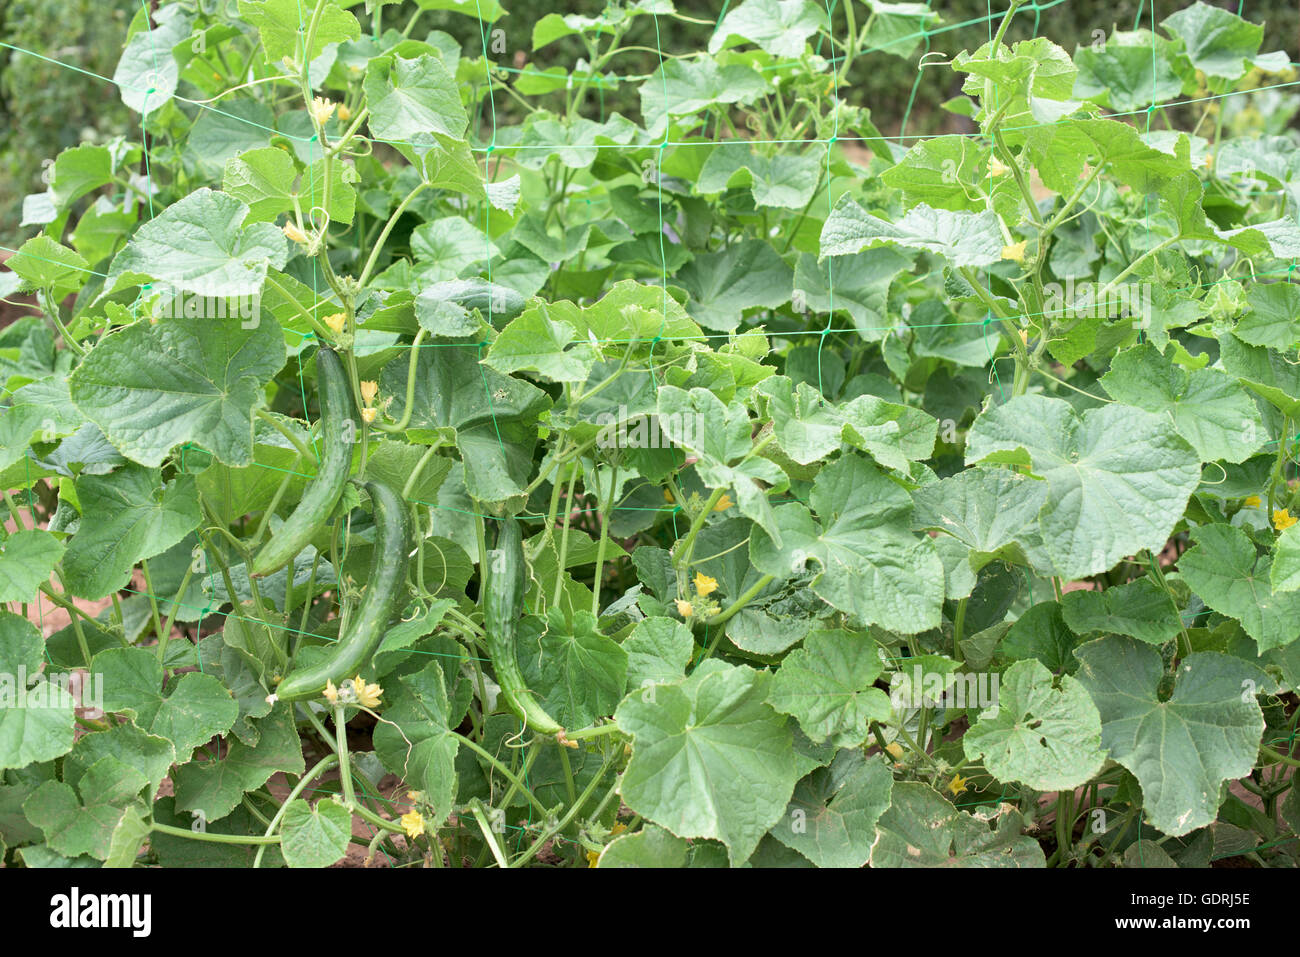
[[384, 597], [339, 430], [503, 605]]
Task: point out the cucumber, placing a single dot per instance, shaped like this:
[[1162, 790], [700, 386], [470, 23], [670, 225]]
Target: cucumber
[[338, 432], [384, 597], [503, 605]]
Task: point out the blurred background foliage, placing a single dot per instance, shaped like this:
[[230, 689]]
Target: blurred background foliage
[[46, 107]]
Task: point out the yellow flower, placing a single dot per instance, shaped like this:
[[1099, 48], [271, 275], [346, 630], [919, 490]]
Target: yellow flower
[[368, 392], [617, 829], [413, 823], [336, 322], [724, 503], [366, 695], [321, 110], [957, 784], [705, 585], [344, 113], [1252, 501], [1016, 252], [368, 415], [294, 233], [1283, 519], [668, 496], [997, 167], [414, 796], [592, 858], [684, 608], [895, 750], [331, 693]]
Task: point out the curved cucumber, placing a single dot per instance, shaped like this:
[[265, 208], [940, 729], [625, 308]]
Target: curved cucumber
[[383, 599], [338, 427], [503, 604]]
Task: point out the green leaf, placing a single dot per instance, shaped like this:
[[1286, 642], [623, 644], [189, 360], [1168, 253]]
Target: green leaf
[[781, 181], [1225, 572], [988, 510], [416, 742], [1273, 317], [872, 566], [1141, 609], [407, 97], [36, 719], [262, 178], [1181, 749], [724, 284], [215, 788], [86, 825], [147, 74], [658, 650], [857, 284], [964, 238], [683, 87], [46, 265], [710, 758], [315, 835], [1211, 411], [283, 26], [127, 516], [149, 754], [1265, 372], [832, 816], [196, 708], [649, 847], [200, 245], [579, 674], [1118, 478], [1132, 70], [27, 558], [827, 684], [921, 829], [151, 387], [1044, 731], [1219, 43], [1042, 635], [781, 27], [1284, 576]]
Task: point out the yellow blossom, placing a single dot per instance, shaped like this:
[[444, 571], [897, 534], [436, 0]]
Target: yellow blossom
[[294, 233], [1283, 519], [617, 829], [592, 858], [368, 391], [413, 823], [321, 110], [1015, 252], [336, 322], [705, 585], [724, 503], [997, 167], [1252, 501], [331, 693], [957, 784], [366, 695], [344, 113], [668, 496], [368, 415], [684, 608], [895, 750]]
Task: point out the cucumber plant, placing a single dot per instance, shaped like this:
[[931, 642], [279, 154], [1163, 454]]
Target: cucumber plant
[[839, 483]]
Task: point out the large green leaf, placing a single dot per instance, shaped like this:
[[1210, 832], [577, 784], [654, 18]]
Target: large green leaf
[[827, 684], [987, 510], [200, 245], [921, 829], [283, 26], [1118, 478], [710, 758], [1224, 570], [964, 238], [872, 566], [36, 715], [151, 387], [1044, 731], [832, 816], [781, 27], [578, 673], [407, 97], [27, 558], [315, 835], [415, 740], [726, 283], [215, 788], [126, 516], [85, 825], [1182, 747]]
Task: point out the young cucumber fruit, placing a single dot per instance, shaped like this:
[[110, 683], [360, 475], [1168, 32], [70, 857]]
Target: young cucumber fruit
[[339, 428], [503, 604], [384, 597]]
